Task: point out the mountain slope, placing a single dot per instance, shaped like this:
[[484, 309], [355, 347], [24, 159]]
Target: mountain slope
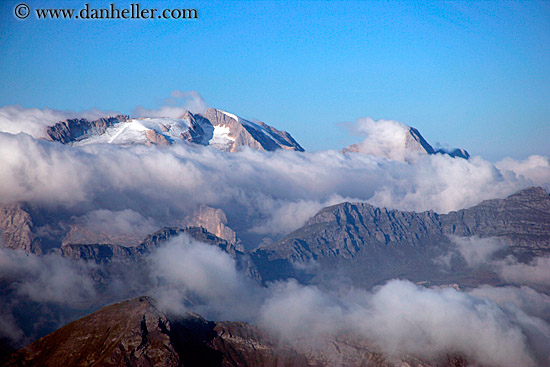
[[137, 333], [131, 333], [216, 128], [371, 244]]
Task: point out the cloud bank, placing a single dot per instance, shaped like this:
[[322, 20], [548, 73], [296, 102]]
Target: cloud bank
[[122, 190], [262, 193]]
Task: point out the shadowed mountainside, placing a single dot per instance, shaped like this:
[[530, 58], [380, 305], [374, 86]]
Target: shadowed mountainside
[[370, 245], [137, 333]]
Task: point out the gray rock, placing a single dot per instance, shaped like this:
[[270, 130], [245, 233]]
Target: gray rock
[[76, 129], [370, 245]]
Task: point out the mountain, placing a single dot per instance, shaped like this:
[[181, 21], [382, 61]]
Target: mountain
[[31, 228], [116, 254], [138, 333], [370, 245], [216, 128], [367, 244], [132, 333], [394, 140], [74, 129], [41, 229], [215, 221]]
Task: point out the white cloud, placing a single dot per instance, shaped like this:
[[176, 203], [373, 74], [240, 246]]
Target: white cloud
[[179, 103], [50, 278], [488, 325], [34, 121], [477, 251], [535, 168], [119, 223], [385, 138], [189, 272], [536, 273], [266, 192]]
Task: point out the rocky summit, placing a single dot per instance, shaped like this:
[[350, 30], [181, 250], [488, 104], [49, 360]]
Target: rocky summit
[[138, 333]]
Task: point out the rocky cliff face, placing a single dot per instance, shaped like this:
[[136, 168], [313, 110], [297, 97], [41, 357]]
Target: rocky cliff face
[[31, 228], [522, 220], [137, 333], [215, 221], [77, 129], [255, 135], [16, 225], [372, 244]]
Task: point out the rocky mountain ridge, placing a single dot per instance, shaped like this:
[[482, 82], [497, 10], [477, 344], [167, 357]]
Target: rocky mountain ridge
[[137, 333], [372, 244], [216, 128], [366, 243]]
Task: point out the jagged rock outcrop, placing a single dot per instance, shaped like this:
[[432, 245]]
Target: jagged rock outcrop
[[155, 138], [76, 129], [457, 152], [137, 333], [215, 221], [521, 219], [16, 226], [30, 228]]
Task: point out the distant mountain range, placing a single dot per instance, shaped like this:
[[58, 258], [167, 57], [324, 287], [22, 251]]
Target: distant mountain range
[[219, 129], [353, 243], [371, 245], [365, 243], [216, 128], [409, 141]]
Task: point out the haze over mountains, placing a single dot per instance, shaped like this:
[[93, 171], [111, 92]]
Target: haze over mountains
[[207, 212]]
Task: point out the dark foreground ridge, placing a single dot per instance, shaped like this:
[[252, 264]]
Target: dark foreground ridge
[[137, 333]]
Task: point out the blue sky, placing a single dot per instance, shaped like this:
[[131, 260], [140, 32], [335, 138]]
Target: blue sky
[[469, 74]]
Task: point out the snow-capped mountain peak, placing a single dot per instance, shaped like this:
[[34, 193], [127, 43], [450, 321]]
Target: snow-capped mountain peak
[[219, 129]]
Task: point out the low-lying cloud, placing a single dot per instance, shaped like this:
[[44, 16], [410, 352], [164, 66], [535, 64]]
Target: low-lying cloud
[[267, 193], [15, 119], [535, 273], [476, 252], [492, 326], [133, 190]]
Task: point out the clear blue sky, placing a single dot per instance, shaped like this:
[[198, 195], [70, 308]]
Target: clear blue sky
[[470, 74]]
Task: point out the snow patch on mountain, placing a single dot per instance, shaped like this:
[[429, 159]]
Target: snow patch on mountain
[[221, 139], [134, 131], [220, 129]]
